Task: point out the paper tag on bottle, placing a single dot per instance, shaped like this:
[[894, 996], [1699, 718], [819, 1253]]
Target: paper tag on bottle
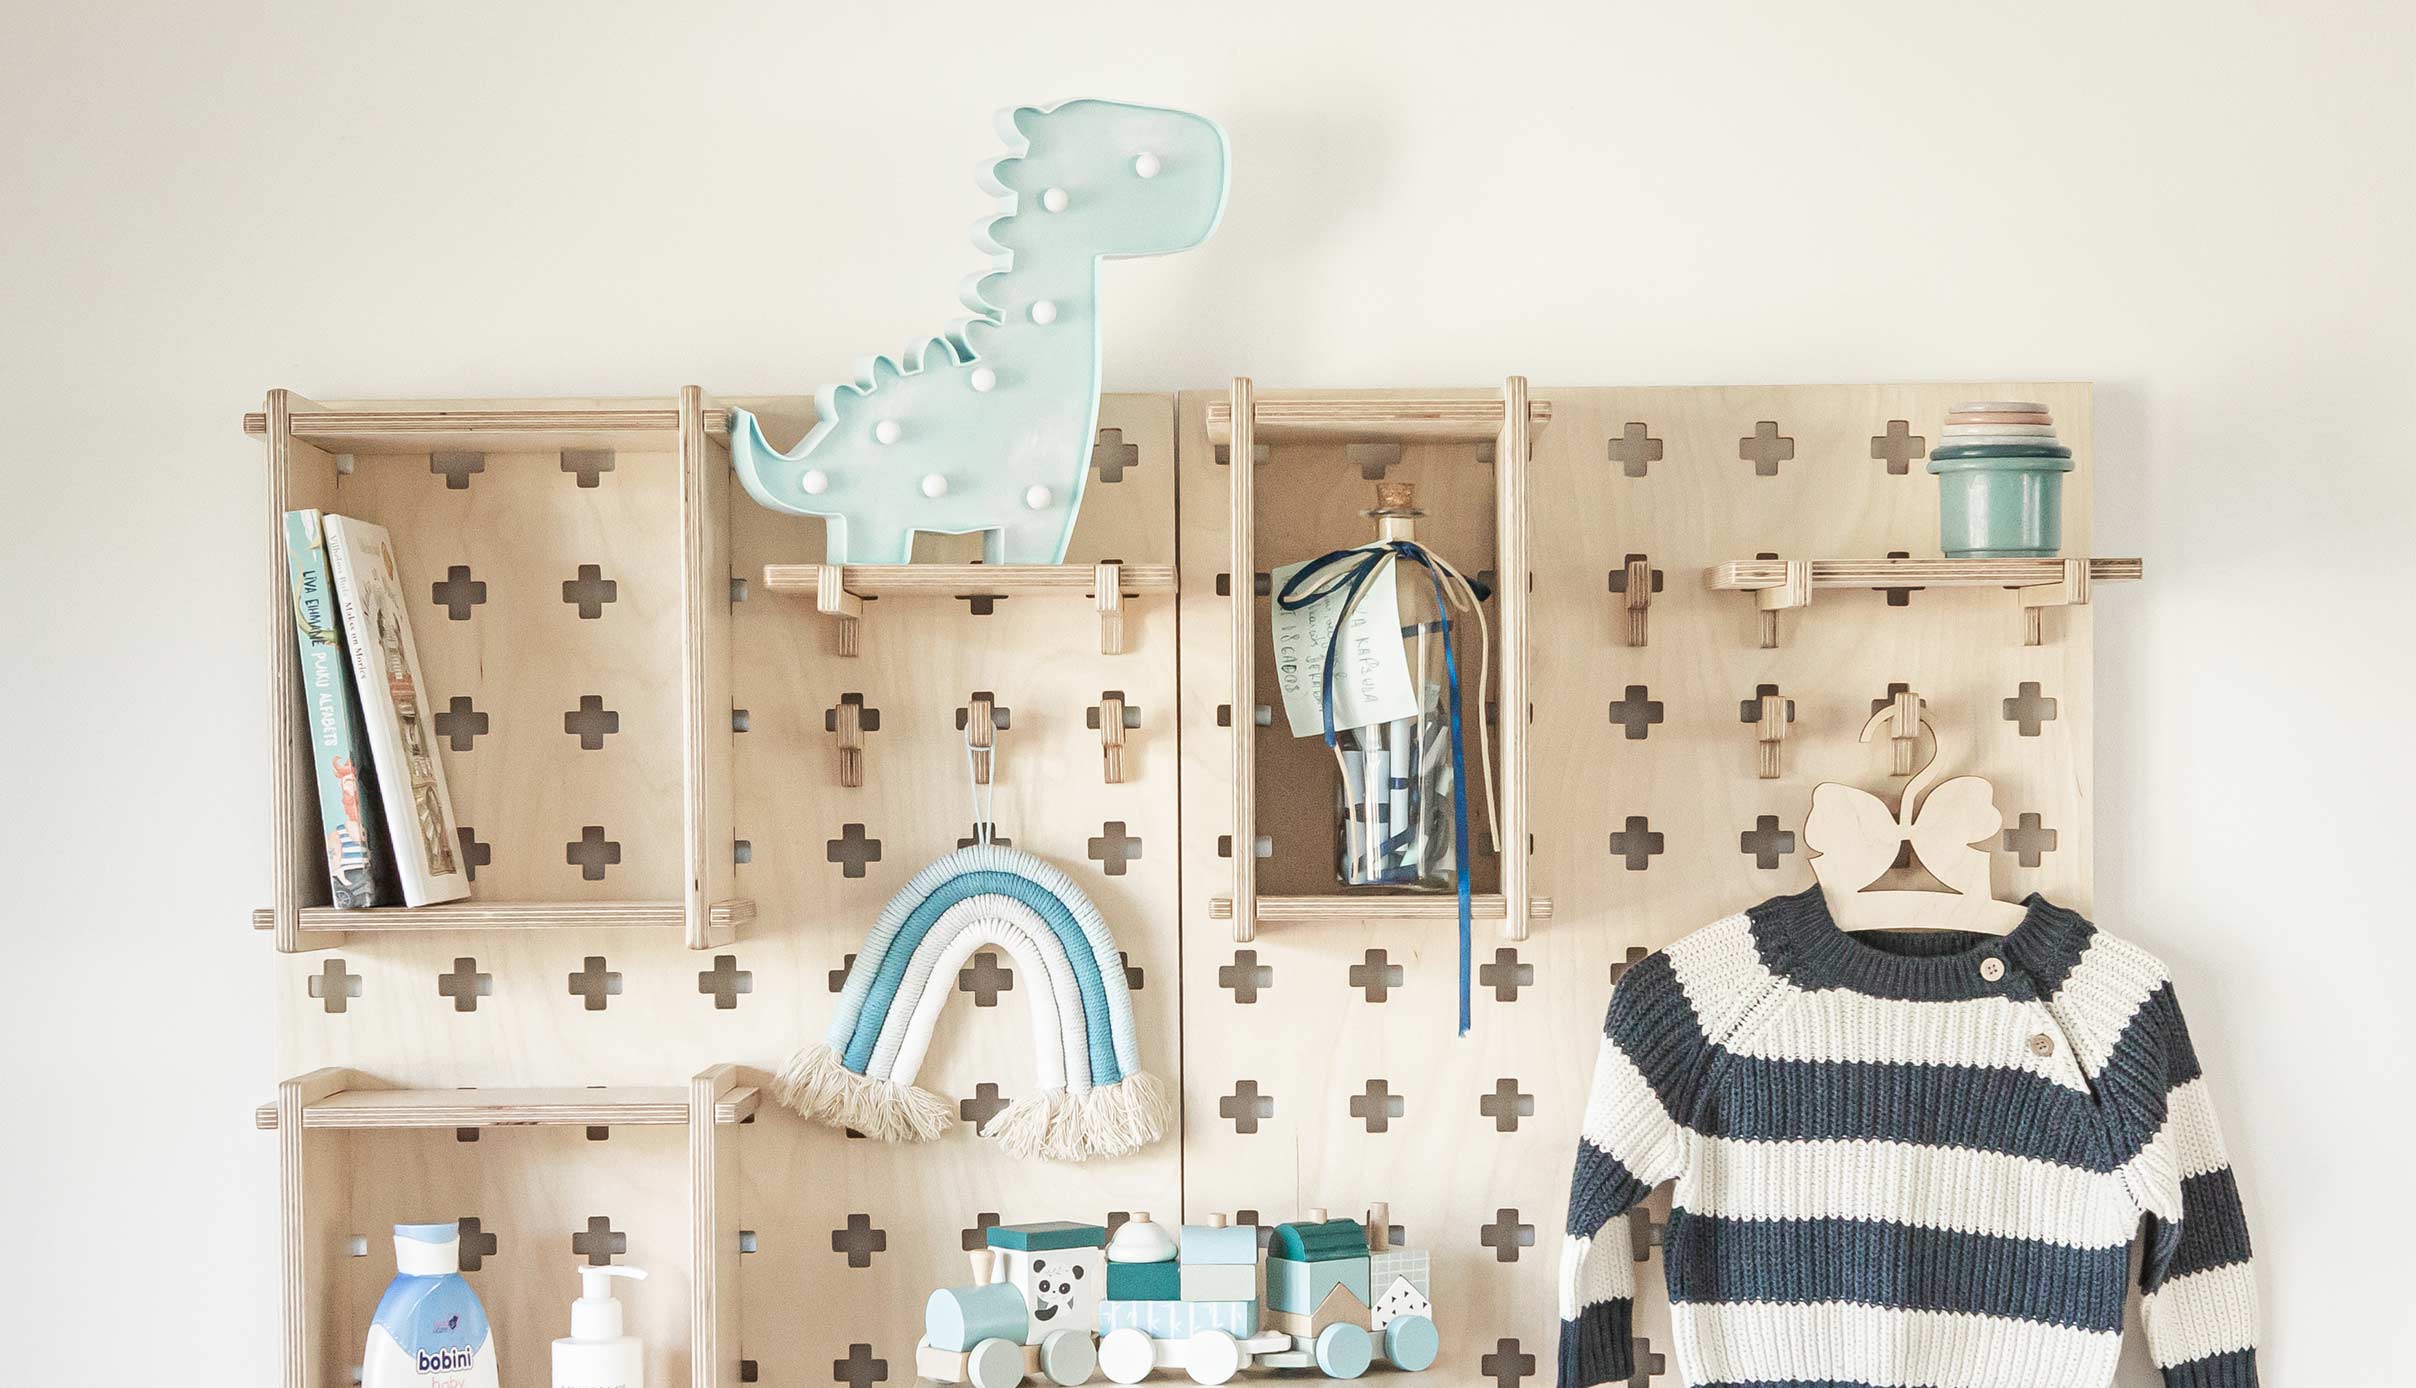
[[1371, 672]]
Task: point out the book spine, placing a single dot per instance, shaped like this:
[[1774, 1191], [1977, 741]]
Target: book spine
[[385, 669], [360, 868]]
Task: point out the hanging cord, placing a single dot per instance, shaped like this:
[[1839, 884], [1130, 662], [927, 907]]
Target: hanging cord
[[983, 795], [1349, 571]]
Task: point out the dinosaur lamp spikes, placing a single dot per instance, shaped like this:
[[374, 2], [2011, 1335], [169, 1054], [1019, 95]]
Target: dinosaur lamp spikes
[[989, 427]]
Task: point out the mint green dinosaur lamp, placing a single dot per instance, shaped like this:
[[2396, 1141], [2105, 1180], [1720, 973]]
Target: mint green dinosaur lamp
[[989, 427]]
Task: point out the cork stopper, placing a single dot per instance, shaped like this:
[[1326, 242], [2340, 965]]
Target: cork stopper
[[1216, 1221], [1396, 496]]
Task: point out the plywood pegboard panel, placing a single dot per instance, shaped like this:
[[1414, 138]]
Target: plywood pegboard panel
[[1287, 1038]]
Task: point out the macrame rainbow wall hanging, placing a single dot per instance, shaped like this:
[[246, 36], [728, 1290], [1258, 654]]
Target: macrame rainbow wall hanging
[[1093, 1098]]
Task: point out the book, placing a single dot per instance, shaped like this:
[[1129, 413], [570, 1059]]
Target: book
[[360, 866], [402, 744]]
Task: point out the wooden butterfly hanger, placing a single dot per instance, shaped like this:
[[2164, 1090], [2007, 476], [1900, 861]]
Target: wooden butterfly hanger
[[1855, 837]]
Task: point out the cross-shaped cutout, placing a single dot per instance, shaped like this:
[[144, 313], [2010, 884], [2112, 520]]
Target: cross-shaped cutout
[[1649, 1365], [1635, 955], [461, 723], [1749, 710], [475, 852], [867, 717], [978, 1234], [2028, 709], [982, 604], [1114, 848], [1766, 449], [985, 1105], [985, 978], [838, 976], [591, 722], [1506, 1236], [1259, 453], [1001, 717], [1506, 1105], [599, 1242], [1898, 446], [1766, 842], [588, 464], [1246, 1106], [1261, 585], [598, 1132], [1372, 459], [595, 983], [2029, 839], [1245, 976], [1112, 456], [1375, 975], [1134, 977], [1900, 597], [1132, 712], [749, 1371], [1636, 713], [465, 985], [1378, 1105], [1507, 1366], [1618, 576], [477, 1244], [592, 853], [458, 593], [852, 850], [1635, 450], [456, 467], [859, 1240], [1505, 975], [1637, 843], [335, 986], [725, 981], [1888, 700], [859, 1369], [590, 591], [1643, 1232]]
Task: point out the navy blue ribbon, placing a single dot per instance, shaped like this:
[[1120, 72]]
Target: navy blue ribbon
[[1351, 569]]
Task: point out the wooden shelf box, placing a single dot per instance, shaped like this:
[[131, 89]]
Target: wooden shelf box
[[567, 567], [589, 1181]]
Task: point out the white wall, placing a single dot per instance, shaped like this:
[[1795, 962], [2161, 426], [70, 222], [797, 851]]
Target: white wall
[[2205, 208]]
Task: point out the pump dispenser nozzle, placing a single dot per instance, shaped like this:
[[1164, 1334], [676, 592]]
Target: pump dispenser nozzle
[[596, 1315]]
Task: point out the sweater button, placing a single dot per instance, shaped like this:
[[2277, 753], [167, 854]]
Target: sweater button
[[2042, 1045], [1992, 968]]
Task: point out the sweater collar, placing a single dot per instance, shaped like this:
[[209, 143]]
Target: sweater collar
[[1799, 940]]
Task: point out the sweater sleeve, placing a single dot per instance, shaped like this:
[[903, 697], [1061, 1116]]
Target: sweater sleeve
[[2199, 1295], [1649, 1069]]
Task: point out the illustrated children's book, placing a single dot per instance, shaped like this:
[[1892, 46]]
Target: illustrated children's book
[[360, 867], [402, 744]]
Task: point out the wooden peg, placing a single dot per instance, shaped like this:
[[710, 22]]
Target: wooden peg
[[1904, 732], [1379, 1227], [1769, 733], [849, 718], [1217, 1220], [1316, 1214], [983, 1260], [1107, 583], [1639, 597], [1796, 591], [832, 599], [1111, 735], [981, 732], [2071, 590]]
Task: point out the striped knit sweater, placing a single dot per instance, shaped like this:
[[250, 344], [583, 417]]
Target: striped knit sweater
[[1906, 1160]]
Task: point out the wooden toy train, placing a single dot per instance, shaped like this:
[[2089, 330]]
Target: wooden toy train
[[1064, 1300]]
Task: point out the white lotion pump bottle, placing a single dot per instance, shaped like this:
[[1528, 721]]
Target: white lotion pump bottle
[[596, 1354]]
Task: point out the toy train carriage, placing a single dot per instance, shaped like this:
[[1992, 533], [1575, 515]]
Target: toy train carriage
[[1336, 1297]]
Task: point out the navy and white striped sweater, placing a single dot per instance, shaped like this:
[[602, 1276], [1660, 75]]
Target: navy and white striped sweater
[[1908, 1160]]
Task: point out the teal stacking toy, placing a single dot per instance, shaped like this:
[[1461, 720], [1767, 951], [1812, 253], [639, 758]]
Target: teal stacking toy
[[2000, 481]]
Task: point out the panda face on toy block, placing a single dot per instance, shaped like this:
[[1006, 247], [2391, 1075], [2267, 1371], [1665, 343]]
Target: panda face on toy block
[[1062, 1287]]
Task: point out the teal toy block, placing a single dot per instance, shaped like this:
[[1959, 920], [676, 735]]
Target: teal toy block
[[1145, 1282], [1299, 1287], [1232, 1245], [1180, 1320], [956, 1319], [1055, 1233], [1315, 1243]]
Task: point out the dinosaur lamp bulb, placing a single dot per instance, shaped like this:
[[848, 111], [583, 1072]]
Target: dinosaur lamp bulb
[[1037, 498], [815, 481], [935, 486], [1146, 165], [886, 431], [1044, 312], [1053, 199], [983, 378]]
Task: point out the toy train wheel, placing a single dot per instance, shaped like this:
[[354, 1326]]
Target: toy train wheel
[[1343, 1350], [995, 1363], [1127, 1355], [1067, 1356], [1212, 1356], [1411, 1343]]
